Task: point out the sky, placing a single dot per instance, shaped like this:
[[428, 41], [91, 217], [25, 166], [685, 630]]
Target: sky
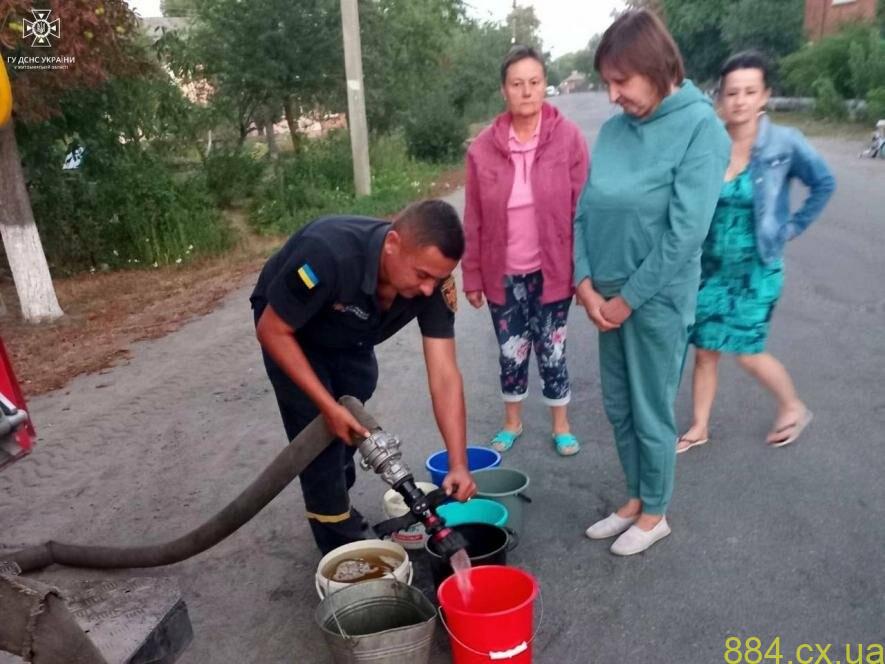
[[566, 25]]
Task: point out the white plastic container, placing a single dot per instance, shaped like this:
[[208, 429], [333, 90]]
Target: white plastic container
[[394, 505], [372, 547]]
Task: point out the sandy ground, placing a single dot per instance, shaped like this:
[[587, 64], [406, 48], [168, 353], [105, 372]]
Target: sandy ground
[[105, 312]]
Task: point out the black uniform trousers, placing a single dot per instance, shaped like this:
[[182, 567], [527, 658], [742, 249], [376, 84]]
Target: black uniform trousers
[[325, 483]]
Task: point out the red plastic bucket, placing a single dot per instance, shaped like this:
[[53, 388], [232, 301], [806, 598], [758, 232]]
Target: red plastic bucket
[[497, 623]]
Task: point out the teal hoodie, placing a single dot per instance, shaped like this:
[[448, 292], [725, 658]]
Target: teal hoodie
[[650, 198]]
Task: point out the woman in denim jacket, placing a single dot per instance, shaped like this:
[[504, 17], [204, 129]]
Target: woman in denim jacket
[[742, 264]]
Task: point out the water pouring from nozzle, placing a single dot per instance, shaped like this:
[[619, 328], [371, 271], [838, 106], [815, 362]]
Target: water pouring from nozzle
[[450, 543]]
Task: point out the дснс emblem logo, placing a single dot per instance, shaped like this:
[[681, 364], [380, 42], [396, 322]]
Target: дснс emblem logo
[[42, 31], [41, 28]]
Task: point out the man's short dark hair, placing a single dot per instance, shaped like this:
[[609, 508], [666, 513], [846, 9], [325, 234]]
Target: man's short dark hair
[[520, 52], [638, 42], [432, 223]]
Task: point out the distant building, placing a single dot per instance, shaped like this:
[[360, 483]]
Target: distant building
[[824, 17], [575, 82]]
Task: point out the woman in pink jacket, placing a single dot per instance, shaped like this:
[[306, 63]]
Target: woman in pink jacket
[[524, 175]]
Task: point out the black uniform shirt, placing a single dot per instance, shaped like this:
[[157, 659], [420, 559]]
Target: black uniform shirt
[[323, 283]]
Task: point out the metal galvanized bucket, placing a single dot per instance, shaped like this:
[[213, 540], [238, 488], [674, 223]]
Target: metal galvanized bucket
[[382, 622]]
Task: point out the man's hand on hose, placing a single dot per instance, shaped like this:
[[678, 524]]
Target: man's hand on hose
[[279, 340], [344, 425], [459, 484]]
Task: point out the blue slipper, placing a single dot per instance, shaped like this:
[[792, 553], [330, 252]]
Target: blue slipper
[[566, 444], [503, 440]]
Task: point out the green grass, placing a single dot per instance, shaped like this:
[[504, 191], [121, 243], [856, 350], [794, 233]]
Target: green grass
[[141, 209], [132, 211], [318, 180]]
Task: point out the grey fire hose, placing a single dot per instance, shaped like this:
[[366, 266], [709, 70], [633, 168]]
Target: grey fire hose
[[303, 449]]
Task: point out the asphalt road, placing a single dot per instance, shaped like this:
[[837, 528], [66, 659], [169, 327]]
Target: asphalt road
[[766, 543]]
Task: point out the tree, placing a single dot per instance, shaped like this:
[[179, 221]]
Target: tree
[[586, 57], [775, 28], [407, 50], [708, 31], [697, 27], [265, 58], [580, 61], [96, 37], [473, 69], [524, 25], [562, 66]]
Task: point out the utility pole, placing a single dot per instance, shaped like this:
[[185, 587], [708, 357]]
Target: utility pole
[[356, 99]]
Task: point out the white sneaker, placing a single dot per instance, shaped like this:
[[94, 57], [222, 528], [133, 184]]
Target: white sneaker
[[636, 540], [610, 526]]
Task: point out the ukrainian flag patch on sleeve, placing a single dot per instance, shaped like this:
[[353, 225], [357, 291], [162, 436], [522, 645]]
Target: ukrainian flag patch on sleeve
[[308, 276]]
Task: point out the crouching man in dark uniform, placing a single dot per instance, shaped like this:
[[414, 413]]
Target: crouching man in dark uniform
[[337, 288]]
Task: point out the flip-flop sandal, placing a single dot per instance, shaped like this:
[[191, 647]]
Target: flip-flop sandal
[[503, 440], [691, 443], [798, 427], [566, 444]]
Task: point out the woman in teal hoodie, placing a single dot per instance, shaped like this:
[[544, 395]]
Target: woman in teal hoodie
[[640, 225]]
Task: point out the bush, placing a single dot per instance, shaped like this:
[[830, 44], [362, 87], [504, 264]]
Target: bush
[[852, 59], [876, 104], [318, 180], [828, 104], [866, 62], [129, 212], [139, 196], [327, 163], [232, 175], [434, 131]]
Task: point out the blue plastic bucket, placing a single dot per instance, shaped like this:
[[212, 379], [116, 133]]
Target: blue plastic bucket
[[478, 458], [477, 510]]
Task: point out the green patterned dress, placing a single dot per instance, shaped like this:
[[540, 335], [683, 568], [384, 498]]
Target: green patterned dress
[[738, 291]]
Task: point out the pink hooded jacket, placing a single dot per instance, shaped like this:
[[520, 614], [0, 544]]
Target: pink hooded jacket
[[558, 176]]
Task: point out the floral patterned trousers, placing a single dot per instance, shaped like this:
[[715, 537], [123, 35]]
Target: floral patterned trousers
[[523, 322]]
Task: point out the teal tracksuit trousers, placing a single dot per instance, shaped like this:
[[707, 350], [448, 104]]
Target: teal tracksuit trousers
[[641, 366]]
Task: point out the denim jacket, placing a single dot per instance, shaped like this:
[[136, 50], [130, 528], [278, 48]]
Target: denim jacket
[[779, 155]]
